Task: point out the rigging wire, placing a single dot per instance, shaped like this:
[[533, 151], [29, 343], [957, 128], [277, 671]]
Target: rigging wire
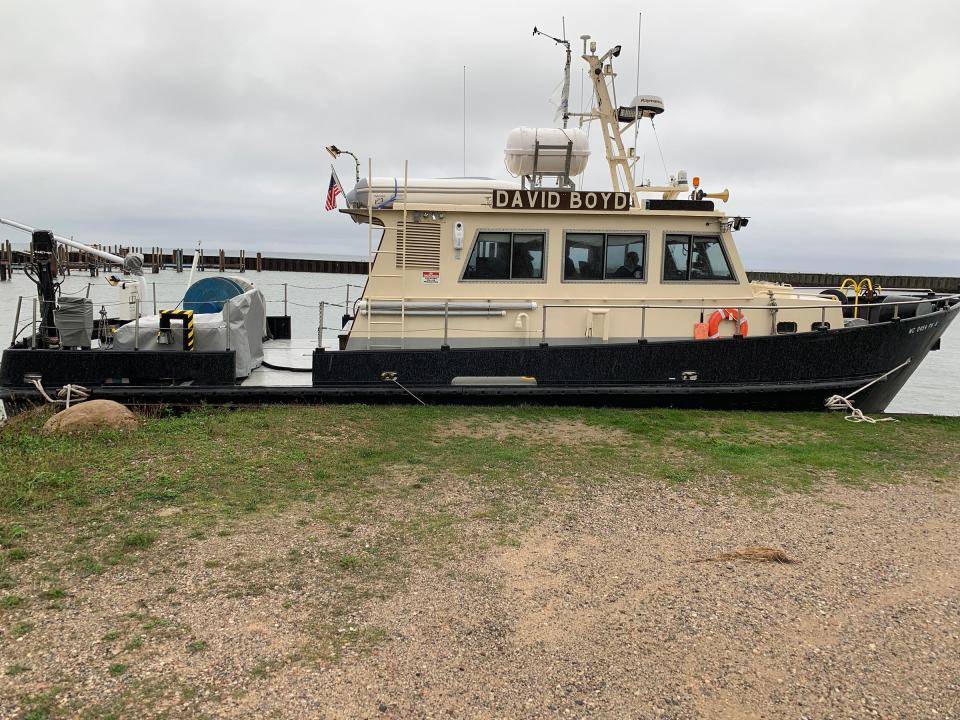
[[666, 173], [636, 120]]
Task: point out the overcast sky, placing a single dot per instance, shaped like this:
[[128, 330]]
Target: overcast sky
[[836, 126]]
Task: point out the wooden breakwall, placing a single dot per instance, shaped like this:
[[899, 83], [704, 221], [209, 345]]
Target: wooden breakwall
[[155, 259], [935, 283]]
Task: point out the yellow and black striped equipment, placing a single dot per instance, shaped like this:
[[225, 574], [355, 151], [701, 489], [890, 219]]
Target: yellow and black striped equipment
[[186, 316]]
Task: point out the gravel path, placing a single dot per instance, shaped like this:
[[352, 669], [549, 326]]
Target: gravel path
[[603, 609], [602, 612]]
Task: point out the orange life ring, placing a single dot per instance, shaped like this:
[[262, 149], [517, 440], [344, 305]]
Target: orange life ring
[[713, 327]]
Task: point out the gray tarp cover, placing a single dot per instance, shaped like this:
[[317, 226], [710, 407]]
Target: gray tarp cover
[[74, 321], [248, 324]]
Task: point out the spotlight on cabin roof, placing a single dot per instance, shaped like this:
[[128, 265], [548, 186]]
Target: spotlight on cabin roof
[[642, 106]]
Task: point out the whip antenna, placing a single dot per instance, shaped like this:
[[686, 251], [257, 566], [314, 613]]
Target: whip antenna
[[565, 93]]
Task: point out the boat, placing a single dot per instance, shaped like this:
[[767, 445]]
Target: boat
[[537, 289]]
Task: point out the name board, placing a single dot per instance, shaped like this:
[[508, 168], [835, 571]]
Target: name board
[[560, 200]]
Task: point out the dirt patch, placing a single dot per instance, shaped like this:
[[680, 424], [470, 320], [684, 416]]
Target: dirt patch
[[554, 432], [600, 610], [604, 611]]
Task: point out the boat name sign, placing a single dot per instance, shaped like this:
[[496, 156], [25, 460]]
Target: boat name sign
[[560, 200]]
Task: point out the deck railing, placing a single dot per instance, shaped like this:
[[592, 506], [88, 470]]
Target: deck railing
[[447, 308]]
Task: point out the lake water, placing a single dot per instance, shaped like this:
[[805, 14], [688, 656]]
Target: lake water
[[934, 388]]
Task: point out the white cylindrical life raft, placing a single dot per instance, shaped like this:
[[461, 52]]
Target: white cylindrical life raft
[[521, 148]]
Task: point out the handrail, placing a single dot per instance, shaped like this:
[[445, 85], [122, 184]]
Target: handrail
[[822, 306], [739, 302]]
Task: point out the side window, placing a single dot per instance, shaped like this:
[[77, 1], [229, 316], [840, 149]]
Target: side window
[[695, 258], [584, 257], [624, 256], [675, 265], [506, 256], [527, 256], [490, 259], [599, 256], [707, 261]]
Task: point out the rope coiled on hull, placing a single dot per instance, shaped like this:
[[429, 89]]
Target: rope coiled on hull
[[843, 402]]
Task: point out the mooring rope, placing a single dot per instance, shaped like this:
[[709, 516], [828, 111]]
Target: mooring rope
[[842, 402], [67, 394]]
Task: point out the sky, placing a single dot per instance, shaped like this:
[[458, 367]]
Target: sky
[[138, 122]]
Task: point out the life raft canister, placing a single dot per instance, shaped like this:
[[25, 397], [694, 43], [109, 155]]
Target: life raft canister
[[713, 326]]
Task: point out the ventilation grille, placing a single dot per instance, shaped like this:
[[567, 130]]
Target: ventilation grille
[[422, 245]]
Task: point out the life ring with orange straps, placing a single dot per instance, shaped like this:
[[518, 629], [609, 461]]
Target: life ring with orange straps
[[713, 325]]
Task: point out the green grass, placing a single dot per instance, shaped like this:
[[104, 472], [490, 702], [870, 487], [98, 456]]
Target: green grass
[[39, 706], [218, 467], [17, 554], [118, 668], [219, 463], [138, 541], [22, 628]]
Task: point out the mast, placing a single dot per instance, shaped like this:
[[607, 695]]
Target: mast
[[610, 116], [606, 112]]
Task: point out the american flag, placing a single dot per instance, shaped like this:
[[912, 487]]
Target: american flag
[[333, 190]]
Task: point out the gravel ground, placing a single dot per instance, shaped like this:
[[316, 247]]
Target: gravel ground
[[604, 608]]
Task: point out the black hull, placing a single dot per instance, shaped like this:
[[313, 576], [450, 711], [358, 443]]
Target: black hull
[[783, 372], [788, 372]]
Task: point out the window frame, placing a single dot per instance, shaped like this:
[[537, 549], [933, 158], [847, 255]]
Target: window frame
[[512, 232], [691, 236], [606, 233]]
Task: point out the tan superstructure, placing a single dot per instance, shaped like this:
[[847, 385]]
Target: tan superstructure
[[474, 262]]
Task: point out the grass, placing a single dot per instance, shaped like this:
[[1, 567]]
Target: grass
[[138, 541], [219, 462], [39, 706], [215, 468], [363, 494]]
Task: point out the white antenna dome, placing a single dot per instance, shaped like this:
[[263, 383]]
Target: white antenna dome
[[642, 106]]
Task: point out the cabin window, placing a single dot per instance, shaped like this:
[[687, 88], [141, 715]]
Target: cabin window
[[506, 256], [604, 256], [696, 258]]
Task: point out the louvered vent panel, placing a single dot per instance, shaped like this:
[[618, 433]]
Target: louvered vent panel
[[422, 246]]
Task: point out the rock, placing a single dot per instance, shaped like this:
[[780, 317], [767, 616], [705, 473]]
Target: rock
[[92, 415]]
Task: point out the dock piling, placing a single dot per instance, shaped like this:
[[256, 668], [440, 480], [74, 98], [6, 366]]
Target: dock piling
[[16, 320], [320, 327]]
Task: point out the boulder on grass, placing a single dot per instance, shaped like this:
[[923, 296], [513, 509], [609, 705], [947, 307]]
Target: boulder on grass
[[92, 415]]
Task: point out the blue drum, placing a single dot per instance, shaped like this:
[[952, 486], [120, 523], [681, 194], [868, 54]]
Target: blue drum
[[209, 294]]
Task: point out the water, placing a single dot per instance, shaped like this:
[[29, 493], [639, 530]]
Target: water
[[934, 388], [304, 291]]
